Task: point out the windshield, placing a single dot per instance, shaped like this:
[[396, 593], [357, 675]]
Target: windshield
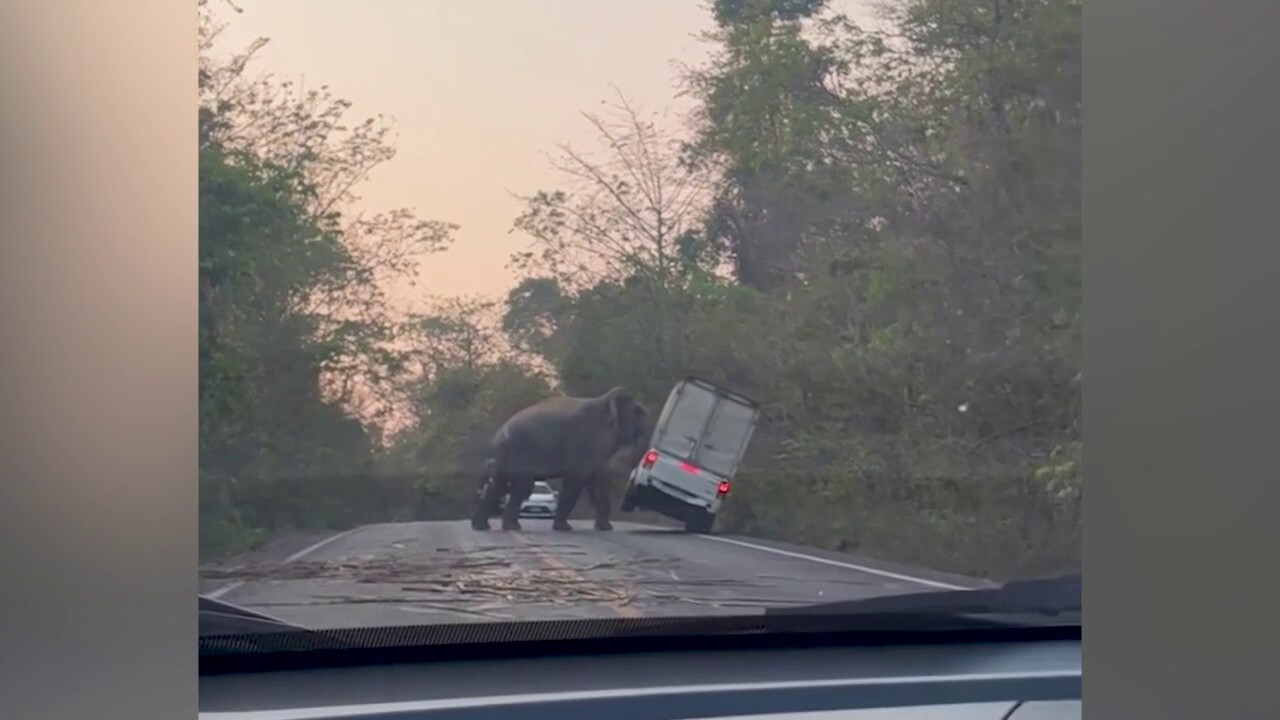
[[773, 304]]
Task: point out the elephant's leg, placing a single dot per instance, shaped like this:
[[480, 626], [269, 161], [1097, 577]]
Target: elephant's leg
[[599, 489], [520, 490], [487, 503], [571, 488]]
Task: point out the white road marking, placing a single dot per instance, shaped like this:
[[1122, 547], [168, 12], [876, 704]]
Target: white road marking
[[308, 550], [292, 558], [823, 561], [837, 563], [224, 590]]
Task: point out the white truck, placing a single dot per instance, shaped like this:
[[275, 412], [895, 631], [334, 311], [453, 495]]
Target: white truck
[[696, 446]]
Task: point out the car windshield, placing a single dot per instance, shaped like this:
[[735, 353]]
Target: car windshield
[[773, 304]]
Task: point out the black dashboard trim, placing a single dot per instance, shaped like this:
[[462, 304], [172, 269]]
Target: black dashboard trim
[[349, 653]]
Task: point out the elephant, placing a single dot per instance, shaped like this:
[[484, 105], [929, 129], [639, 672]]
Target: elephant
[[563, 437]]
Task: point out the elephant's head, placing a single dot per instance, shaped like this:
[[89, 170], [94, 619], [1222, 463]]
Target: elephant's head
[[630, 422]]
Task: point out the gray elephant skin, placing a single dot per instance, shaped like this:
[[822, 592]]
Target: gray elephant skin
[[561, 437]]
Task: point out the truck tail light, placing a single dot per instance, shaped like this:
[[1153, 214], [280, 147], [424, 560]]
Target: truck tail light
[[650, 458], [724, 487]]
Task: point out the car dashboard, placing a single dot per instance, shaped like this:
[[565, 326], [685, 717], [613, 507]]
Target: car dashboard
[[1036, 680]]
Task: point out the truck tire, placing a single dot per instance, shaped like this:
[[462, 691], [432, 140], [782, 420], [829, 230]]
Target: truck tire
[[701, 523]]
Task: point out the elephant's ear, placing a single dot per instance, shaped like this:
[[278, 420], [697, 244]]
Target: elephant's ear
[[615, 403], [612, 396], [618, 405]]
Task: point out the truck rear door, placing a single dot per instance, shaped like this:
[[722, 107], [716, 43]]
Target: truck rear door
[[701, 437], [725, 438], [684, 419], [677, 437]]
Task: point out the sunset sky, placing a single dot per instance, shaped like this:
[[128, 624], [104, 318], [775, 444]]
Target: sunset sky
[[479, 90]]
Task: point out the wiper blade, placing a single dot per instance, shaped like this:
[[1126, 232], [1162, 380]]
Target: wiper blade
[[1046, 596]]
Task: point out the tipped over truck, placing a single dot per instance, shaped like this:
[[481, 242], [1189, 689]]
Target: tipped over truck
[[697, 443]]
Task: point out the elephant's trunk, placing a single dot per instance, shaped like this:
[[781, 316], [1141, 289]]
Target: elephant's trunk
[[639, 444]]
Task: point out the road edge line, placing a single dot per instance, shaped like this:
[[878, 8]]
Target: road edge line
[[214, 595], [316, 546], [826, 561], [837, 563]]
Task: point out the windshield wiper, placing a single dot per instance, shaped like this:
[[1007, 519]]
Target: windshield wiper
[[1060, 595]]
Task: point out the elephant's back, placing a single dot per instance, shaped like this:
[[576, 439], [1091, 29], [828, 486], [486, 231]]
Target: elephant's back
[[541, 437], [550, 409]]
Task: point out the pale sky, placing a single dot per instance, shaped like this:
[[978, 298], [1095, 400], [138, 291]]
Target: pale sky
[[479, 90]]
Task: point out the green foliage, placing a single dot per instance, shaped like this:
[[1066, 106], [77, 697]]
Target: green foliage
[[902, 218], [732, 12], [294, 328], [467, 386]]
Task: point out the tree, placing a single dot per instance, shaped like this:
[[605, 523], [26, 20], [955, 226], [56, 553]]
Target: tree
[[295, 329], [904, 296], [768, 111], [630, 219], [928, 312], [308, 134], [630, 214], [466, 384]]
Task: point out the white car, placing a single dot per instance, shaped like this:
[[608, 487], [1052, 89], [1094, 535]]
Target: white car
[[541, 502]]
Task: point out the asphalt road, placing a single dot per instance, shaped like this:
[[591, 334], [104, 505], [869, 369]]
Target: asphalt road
[[439, 572]]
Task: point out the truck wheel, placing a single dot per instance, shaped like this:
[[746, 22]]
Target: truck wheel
[[701, 524]]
